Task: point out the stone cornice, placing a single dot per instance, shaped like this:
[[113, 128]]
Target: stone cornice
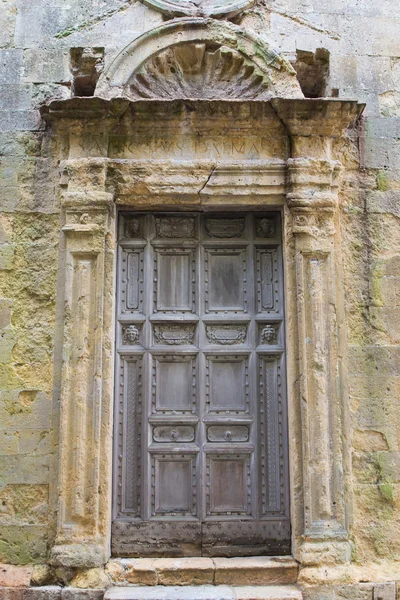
[[328, 117]]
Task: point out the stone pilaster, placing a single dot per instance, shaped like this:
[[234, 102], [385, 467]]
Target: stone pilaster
[[86, 394], [313, 202]]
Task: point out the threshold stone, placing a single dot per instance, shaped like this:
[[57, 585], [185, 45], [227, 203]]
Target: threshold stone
[[204, 592]]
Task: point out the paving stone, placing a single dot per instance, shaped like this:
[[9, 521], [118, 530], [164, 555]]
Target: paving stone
[[204, 592], [255, 571], [267, 592], [76, 594], [32, 593]]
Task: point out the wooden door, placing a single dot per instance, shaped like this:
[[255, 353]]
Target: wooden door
[[200, 415]]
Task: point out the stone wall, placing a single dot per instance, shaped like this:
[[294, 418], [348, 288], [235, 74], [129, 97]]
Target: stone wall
[[35, 43]]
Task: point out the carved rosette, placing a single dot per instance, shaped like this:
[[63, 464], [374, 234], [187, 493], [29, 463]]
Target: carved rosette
[[226, 334], [174, 335]]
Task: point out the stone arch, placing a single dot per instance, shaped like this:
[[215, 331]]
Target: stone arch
[[199, 58]]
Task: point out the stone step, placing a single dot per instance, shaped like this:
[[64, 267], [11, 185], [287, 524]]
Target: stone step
[[204, 592], [254, 571]]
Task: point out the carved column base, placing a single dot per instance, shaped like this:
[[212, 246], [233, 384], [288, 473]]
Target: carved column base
[[82, 556], [325, 552]]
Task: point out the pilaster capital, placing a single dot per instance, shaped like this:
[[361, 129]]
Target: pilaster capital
[[312, 196]]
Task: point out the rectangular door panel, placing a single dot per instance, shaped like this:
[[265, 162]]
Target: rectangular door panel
[[200, 445], [174, 384], [227, 384], [174, 278], [174, 487], [228, 485], [225, 277]]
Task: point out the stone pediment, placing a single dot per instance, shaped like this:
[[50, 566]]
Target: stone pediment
[[198, 58]]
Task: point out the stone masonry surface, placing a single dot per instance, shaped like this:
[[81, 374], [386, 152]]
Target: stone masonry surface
[[362, 37]]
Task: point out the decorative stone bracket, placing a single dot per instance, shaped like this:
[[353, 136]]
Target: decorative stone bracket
[[97, 175]]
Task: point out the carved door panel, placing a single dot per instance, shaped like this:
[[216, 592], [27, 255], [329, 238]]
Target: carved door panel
[[201, 427]]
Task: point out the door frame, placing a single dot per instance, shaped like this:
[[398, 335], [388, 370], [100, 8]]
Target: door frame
[[304, 184]]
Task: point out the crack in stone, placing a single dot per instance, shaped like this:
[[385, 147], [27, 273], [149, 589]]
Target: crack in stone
[[208, 180], [305, 23], [94, 19]]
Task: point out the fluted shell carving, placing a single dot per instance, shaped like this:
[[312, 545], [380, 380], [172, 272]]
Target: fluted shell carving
[[199, 70]]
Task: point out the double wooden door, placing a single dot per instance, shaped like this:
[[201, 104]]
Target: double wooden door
[[200, 413]]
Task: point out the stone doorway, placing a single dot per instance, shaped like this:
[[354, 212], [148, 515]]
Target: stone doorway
[[201, 448]]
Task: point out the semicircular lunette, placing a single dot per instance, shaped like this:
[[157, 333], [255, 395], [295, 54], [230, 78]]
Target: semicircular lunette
[[199, 70], [197, 58]]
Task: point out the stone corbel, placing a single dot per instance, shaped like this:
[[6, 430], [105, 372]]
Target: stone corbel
[[85, 402], [313, 202]]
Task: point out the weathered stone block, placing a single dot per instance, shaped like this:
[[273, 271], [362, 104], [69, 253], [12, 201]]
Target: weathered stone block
[[13, 576], [9, 442], [184, 571], [8, 13], [25, 409], [388, 128], [140, 571], [22, 120], [363, 591], [23, 544], [11, 65], [369, 440], [271, 592], [39, 593], [23, 503], [17, 97], [43, 65], [34, 441], [375, 360], [91, 579], [75, 594], [255, 571], [372, 467], [384, 202], [384, 591], [6, 257], [24, 469]]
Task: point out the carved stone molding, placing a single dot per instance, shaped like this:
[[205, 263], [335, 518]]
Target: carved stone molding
[[313, 201], [86, 390], [91, 185], [199, 8], [199, 58]]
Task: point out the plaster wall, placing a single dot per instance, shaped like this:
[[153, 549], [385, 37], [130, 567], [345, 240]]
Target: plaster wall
[[35, 42]]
